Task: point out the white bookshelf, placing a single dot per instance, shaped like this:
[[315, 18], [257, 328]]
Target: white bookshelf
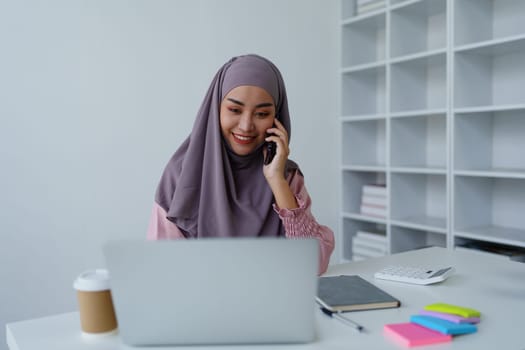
[[433, 106]]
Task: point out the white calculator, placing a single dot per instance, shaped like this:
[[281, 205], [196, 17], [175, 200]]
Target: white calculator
[[415, 275]]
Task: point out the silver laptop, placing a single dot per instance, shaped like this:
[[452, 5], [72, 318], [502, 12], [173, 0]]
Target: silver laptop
[[214, 291]]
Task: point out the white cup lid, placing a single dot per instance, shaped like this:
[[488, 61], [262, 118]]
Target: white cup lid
[[92, 281]]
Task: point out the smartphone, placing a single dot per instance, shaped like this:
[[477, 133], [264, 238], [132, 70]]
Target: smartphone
[[271, 148]]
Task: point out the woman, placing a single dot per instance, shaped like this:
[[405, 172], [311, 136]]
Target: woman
[[217, 184]]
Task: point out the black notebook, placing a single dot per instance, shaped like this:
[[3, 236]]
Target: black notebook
[[352, 293]]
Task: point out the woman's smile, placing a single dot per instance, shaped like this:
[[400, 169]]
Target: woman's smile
[[242, 139]]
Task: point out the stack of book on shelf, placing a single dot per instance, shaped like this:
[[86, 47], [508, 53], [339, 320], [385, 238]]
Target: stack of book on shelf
[[374, 200], [493, 249], [368, 245], [436, 323], [364, 6]]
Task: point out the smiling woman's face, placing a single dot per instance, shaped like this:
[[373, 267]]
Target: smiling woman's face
[[246, 113]]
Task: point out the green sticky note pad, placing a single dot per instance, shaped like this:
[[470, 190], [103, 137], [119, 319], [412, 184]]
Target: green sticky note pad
[[453, 309]]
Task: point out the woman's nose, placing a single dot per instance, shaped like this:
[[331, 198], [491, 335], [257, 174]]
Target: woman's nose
[[246, 122]]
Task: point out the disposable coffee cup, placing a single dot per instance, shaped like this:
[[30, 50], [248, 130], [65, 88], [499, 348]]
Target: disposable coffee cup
[[97, 315]]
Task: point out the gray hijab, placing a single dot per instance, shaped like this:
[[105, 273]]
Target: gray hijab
[[206, 189]]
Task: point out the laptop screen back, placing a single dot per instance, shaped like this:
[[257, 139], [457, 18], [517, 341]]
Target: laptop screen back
[[214, 291]]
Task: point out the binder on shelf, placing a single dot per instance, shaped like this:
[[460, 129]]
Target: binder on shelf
[[374, 201], [364, 6], [367, 252], [372, 236], [489, 248], [480, 252], [370, 244], [373, 211], [377, 190]]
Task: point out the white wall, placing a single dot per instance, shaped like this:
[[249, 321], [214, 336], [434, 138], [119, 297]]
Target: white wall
[[96, 95]]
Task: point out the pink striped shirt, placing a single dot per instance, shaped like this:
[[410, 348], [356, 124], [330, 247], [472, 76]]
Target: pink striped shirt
[[297, 223]]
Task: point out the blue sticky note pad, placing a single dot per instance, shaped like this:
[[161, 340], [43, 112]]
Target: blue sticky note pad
[[443, 326]]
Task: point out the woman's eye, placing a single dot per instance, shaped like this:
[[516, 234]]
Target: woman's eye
[[262, 114], [234, 110]]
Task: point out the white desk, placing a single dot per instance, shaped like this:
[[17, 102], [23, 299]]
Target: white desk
[[492, 285]]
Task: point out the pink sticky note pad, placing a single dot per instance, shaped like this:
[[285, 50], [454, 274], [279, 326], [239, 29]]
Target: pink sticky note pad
[[411, 334]]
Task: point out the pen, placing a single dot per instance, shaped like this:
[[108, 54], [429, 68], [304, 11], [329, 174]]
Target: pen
[[343, 319]]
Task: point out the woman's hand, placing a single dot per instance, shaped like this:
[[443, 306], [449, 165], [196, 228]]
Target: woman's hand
[[274, 172]]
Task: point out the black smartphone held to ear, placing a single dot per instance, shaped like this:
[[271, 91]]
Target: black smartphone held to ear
[[271, 148]]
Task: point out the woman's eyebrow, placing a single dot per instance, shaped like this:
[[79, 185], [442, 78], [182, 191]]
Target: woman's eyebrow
[[235, 101], [265, 104], [260, 105]]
